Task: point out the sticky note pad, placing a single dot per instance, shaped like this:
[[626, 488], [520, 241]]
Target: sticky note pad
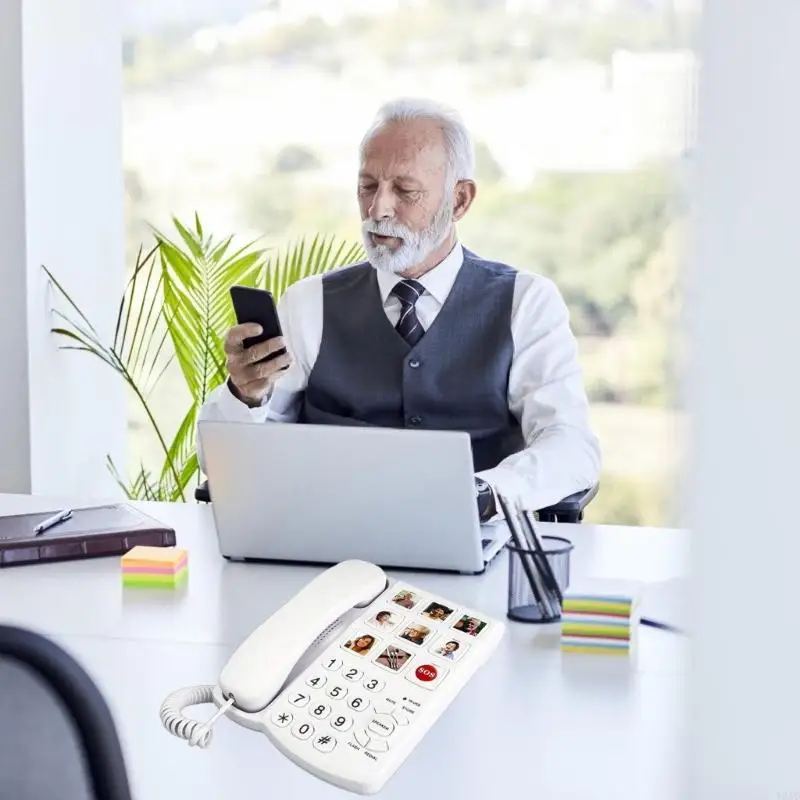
[[601, 618], [154, 567]]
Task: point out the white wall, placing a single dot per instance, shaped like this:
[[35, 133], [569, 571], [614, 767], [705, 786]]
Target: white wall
[[14, 428], [744, 318], [65, 211]]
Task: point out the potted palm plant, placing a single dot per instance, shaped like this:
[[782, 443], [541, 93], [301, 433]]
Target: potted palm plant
[[175, 308]]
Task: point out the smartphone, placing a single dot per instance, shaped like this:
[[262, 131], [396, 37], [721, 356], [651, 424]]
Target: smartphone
[[257, 305]]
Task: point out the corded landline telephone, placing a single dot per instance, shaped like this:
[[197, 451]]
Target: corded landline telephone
[[346, 678]]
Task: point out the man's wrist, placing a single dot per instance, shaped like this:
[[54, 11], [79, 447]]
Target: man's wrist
[[238, 395], [487, 507]]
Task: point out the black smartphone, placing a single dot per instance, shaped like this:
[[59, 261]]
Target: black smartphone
[[257, 305]]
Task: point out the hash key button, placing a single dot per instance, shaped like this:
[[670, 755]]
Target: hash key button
[[325, 743], [381, 724]]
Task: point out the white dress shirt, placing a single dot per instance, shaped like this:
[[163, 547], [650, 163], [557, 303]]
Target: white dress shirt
[[545, 389]]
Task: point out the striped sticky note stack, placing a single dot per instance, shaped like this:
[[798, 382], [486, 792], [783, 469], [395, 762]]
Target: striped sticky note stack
[[154, 567], [599, 623]]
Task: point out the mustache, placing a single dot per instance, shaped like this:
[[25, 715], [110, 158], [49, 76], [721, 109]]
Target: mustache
[[386, 227]]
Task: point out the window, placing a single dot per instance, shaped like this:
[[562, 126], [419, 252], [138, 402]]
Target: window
[[583, 114]]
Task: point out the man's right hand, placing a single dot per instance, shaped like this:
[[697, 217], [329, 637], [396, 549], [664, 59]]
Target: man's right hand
[[253, 381]]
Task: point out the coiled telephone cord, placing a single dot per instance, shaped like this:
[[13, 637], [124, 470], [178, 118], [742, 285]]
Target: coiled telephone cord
[[197, 733]]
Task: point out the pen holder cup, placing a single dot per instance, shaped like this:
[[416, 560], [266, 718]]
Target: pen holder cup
[[522, 604]]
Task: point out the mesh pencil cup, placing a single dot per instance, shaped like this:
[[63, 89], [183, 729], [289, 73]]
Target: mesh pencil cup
[[522, 602]]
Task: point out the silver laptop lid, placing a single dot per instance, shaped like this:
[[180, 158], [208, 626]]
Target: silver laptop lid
[[327, 493]]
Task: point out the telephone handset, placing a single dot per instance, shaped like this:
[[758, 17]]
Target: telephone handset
[[258, 669], [347, 676]]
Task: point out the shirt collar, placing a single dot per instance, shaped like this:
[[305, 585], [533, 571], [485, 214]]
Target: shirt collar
[[437, 281]]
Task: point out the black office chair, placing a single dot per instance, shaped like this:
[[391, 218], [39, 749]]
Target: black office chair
[[57, 737], [570, 509]]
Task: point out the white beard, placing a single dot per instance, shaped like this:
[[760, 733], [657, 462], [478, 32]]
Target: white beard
[[415, 246]]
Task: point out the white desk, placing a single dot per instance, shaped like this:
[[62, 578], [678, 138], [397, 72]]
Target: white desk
[[531, 721]]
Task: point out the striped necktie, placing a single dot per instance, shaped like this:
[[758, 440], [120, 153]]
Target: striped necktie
[[408, 326]]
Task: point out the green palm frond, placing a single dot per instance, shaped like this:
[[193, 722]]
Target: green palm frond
[[137, 353], [176, 306], [196, 279]]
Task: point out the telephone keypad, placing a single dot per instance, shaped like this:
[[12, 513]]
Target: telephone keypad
[[347, 699]]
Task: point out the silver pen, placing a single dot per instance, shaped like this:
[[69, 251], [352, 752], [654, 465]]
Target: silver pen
[[51, 522]]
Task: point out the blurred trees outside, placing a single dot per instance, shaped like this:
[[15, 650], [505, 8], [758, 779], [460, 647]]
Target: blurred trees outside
[[611, 240]]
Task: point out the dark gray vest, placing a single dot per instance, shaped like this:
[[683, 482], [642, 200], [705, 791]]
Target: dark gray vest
[[456, 378]]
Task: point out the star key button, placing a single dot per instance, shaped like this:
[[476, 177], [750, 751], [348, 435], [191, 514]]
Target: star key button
[[282, 719]]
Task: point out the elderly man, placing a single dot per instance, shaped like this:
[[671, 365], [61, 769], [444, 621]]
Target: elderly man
[[426, 334]]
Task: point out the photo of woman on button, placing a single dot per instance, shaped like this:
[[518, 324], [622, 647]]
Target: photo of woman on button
[[361, 645]]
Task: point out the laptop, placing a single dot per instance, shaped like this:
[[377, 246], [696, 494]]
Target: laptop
[[322, 494]]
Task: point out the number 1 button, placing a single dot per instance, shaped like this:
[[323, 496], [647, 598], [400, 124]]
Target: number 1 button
[[332, 664]]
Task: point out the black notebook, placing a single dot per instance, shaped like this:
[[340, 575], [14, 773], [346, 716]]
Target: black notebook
[[106, 530]]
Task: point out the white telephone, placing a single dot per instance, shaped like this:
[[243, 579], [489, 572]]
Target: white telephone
[[347, 677]]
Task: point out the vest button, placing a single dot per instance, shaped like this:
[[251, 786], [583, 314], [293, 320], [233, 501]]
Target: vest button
[[415, 421], [414, 363]]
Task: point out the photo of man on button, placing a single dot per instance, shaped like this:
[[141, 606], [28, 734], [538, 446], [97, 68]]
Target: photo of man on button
[[500, 362]]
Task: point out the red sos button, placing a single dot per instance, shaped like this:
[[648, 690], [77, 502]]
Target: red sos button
[[427, 672]]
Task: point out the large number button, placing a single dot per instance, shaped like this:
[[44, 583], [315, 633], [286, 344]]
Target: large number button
[[316, 681], [281, 719], [332, 663], [320, 711], [352, 674], [337, 692], [358, 703], [299, 699], [325, 743], [303, 730], [342, 722], [381, 724], [373, 684]]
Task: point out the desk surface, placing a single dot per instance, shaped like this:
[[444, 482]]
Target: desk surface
[[531, 720]]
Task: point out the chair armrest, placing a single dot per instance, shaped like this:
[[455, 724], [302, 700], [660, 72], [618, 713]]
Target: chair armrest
[[570, 509], [202, 494]]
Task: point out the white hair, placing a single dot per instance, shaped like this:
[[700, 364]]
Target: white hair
[[460, 149]]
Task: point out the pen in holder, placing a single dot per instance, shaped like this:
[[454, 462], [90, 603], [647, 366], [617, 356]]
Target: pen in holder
[[538, 569]]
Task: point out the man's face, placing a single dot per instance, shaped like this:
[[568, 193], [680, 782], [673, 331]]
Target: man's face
[[451, 647], [405, 207]]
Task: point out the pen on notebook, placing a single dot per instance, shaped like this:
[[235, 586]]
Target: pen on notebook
[[51, 522], [544, 609], [544, 562]]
